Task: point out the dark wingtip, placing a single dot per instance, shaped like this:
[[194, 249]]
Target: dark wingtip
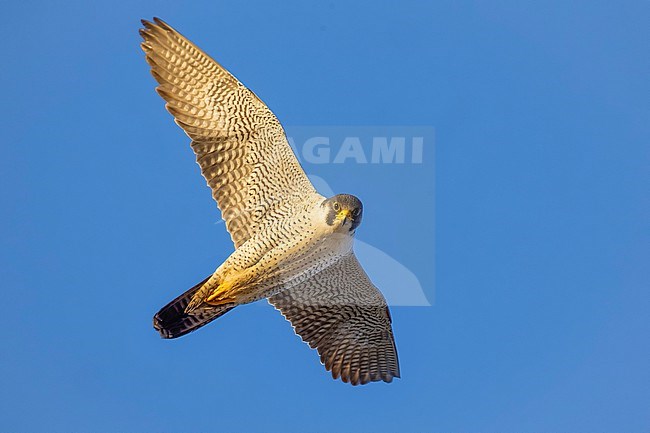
[[147, 24], [163, 24]]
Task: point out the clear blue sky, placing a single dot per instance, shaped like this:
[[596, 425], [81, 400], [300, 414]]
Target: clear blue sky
[[540, 321]]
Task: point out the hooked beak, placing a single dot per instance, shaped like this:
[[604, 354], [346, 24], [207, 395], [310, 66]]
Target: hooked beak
[[345, 216]]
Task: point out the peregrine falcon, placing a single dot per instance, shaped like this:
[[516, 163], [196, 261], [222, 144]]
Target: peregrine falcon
[[292, 245]]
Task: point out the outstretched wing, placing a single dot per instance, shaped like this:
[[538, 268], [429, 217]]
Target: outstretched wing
[[239, 144], [343, 315]]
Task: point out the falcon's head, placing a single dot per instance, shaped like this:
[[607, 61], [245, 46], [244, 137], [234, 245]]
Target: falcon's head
[[343, 211]]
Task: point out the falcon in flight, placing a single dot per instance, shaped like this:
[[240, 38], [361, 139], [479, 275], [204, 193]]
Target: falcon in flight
[[292, 245]]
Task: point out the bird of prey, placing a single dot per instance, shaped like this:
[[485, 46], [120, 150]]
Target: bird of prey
[[292, 245]]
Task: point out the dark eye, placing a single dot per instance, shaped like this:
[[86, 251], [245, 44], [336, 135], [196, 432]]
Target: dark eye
[[356, 212], [337, 207]]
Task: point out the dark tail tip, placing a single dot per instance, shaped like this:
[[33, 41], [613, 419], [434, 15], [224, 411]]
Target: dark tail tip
[[172, 321], [174, 326]]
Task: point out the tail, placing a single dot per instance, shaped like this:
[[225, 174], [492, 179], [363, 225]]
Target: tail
[[172, 321]]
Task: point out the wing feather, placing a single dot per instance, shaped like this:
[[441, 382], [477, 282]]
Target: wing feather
[[239, 144], [343, 315]]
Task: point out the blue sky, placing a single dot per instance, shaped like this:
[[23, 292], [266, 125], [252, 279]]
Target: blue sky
[[535, 217]]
